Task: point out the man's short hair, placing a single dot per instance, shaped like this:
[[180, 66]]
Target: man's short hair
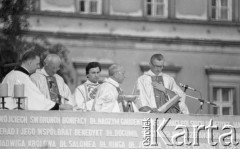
[[28, 55], [113, 69], [92, 65], [158, 57]]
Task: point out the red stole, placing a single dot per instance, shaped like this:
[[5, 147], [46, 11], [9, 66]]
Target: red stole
[[161, 98], [53, 89]]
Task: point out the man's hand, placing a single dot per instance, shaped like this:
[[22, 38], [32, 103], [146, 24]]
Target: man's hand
[[158, 86], [145, 109], [154, 110], [128, 98], [148, 109], [65, 107]]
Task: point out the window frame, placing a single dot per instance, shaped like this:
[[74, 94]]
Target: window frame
[[230, 11], [221, 104], [87, 7], [153, 9]]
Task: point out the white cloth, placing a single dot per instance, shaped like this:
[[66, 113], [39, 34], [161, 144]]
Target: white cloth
[[145, 91], [85, 94], [106, 97], [39, 79], [35, 99]]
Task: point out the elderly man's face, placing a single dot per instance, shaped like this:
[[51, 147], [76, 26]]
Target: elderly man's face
[[156, 66], [52, 67], [120, 75], [93, 75]]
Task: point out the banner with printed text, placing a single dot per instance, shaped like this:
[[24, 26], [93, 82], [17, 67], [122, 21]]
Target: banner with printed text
[[60, 129]]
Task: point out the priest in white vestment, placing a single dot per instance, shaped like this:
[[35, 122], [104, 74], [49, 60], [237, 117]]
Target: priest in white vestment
[[108, 92], [21, 75], [50, 83], [152, 89], [85, 93]]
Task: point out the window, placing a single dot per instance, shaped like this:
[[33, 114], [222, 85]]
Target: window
[[89, 6], [223, 97], [157, 8], [224, 89], [221, 10]]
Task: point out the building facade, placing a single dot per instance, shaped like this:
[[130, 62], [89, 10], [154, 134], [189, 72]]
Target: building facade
[[200, 40]]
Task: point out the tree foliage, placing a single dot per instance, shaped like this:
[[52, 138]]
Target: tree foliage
[[13, 18], [14, 21]]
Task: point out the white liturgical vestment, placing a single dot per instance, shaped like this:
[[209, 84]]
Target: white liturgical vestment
[[35, 99], [85, 94], [145, 91], [106, 97], [39, 79]]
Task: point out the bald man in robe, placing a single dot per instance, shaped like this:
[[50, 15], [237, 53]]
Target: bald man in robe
[[51, 84], [106, 99]]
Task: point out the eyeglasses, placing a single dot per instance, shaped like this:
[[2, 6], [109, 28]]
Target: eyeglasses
[[158, 66]]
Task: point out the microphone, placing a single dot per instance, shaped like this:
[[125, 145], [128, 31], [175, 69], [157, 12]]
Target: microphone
[[187, 87]]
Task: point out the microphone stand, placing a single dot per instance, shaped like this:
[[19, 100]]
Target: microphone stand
[[185, 88], [202, 101]]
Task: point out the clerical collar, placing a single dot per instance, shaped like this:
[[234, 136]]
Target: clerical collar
[[22, 69], [150, 73], [91, 83], [111, 81], [43, 71]]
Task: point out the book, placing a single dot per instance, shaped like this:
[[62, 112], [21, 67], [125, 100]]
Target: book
[[172, 101]]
